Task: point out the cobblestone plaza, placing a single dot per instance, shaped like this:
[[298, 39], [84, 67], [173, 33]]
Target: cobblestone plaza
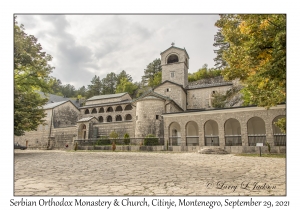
[[89, 173]]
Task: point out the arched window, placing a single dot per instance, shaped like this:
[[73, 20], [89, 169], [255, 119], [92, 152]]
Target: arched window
[[119, 108], [256, 131], [101, 110], [172, 59], [279, 135], [128, 117], [128, 107], [192, 134], [83, 126], [174, 134], [232, 132], [211, 132], [109, 109], [118, 118], [100, 119], [86, 111], [94, 111], [109, 119]]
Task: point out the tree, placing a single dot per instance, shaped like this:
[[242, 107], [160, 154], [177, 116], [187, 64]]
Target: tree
[[151, 72], [204, 73], [95, 88], [220, 63], [256, 55], [31, 74], [126, 86], [109, 83], [122, 75]]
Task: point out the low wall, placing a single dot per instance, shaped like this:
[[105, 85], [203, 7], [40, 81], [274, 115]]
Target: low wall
[[229, 149]]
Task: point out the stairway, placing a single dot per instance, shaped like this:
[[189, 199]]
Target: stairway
[[219, 151]]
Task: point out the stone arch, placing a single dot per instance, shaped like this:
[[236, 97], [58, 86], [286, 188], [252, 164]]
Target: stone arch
[[101, 110], [118, 118], [109, 118], [94, 111], [192, 134], [279, 136], [128, 107], [82, 132], [100, 119], [173, 58], [109, 109], [211, 133], [128, 117], [232, 131], [256, 131], [87, 111], [174, 134], [119, 109]]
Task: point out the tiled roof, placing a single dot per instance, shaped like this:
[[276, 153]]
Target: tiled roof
[[176, 48], [106, 96], [55, 98], [208, 85], [85, 119], [52, 105]]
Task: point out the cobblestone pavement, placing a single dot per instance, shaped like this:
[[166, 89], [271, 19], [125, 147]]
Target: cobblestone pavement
[[145, 173]]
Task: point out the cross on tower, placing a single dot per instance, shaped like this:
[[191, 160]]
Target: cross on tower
[[172, 43]]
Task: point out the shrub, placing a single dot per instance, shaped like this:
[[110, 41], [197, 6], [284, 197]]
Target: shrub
[[113, 146], [113, 135], [76, 146], [126, 139], [103, 141], [151, 140]]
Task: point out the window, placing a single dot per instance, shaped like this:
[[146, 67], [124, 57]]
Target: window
[[109, 109], [172, 59], [168, 89], [172, 74], [128, 117], [101, 119], [157, 117], [119, 109], [109, 119], [128, 107], [86, 111], [119, 118], [94, 111], [101, 110]]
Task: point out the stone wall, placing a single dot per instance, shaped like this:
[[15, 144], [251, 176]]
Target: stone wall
[[242, 115], [147, 111], [200, 98], [65, 115], [175, 92], [104, 129]]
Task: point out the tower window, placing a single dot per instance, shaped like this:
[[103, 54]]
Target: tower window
[[172, 59], [172, 73], [157, 117]]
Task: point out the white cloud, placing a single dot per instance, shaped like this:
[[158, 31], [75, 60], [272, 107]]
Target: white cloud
[[86, 45]]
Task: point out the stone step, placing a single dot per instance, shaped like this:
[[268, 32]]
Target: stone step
[[212, 151]]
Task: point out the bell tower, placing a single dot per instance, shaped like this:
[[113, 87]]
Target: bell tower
[[175, 65]]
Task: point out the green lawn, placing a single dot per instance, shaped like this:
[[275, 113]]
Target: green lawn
[[263, 155]]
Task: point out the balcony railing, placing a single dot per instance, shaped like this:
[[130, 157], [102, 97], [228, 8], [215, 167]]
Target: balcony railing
[[233, 140], [192, 141], [175, 141], [279, 139], [256, 138], [212, 141]]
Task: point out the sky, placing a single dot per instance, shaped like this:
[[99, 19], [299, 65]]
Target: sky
[[83, 46]]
